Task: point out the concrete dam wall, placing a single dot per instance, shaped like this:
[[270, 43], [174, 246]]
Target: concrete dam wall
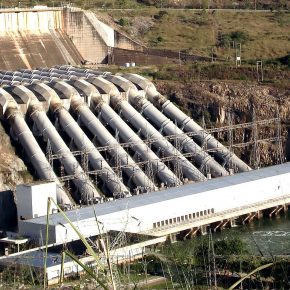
[[55, 36], [31, 39], [34, 22]]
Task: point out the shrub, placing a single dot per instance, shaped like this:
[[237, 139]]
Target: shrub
[[285, 60], [237, 36], [160, 15], [123, 22], [240, 36], [159, 39]]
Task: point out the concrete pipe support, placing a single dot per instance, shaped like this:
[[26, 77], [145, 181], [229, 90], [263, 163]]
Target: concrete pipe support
[[188, 124], [21, 132], [47, 130], [115, 150], [70, 126], [148, 131]]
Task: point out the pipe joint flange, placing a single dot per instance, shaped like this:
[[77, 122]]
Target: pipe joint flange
[[33, 109], [137, 101], [11, 113], [56, 109], [158, 101]]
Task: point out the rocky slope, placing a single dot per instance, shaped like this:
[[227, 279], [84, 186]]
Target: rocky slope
[[214, 103], [12, 169]]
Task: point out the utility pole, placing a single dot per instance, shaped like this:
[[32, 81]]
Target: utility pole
[[279, 144], [255, 154], [259, 69], [211, 263], [238, 53]]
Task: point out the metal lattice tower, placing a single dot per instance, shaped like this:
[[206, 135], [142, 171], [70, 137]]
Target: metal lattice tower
[[211, 263], [146, 164], [49, 153], [177, 164], [117, 164], [279, 145], [259, 71], [255, 154], [205, 169], [230, 131], [85, 161]]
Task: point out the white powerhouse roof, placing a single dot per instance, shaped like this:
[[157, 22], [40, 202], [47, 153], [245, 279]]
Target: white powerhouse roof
[[161, 196]]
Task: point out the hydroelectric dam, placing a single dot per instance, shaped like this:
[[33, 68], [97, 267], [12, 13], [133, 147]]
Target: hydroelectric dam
[[112, 151]]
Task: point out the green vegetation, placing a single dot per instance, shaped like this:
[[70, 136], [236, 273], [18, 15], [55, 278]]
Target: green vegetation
[[263, 35], [99, 274], [285, 60], [234, 37], [123, 22], [199, 4]]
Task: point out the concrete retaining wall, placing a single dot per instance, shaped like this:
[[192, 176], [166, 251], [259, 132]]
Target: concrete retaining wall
[[94, 38], [151, 56], [122, 41], [84, 36]]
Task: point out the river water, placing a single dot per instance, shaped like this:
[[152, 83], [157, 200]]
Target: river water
[[265, 236]]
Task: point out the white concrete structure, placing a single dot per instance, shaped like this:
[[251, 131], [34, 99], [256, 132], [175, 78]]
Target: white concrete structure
[[40, 22], [106, 32], [172, 207], [32, 199]]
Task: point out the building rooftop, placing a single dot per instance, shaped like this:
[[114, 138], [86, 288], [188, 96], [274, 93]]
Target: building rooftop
[[160, 196], [38, 182]]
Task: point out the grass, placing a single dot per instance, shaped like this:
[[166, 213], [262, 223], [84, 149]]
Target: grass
[[197, 32], [200, 32]]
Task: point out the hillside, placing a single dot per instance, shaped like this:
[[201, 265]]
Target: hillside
[[263, 35], [197, 4]]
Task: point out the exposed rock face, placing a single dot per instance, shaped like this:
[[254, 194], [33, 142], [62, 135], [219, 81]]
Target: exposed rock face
[[213, 102], [12, 169]]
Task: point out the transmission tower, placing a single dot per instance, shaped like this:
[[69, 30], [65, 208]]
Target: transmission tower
[[149, 171], [177, 162], [49, 154], [85, 161], [211, 263], [255, 155], [238, 52], [279, 145], [230, 132], [259, 71]]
